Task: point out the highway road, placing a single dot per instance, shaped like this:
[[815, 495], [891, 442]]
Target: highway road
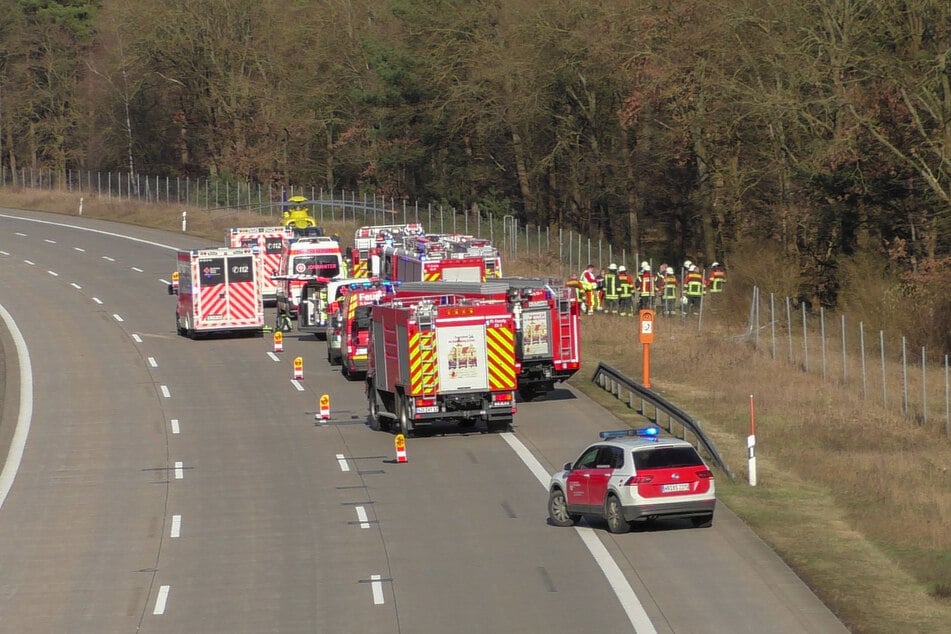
[[170, 485]]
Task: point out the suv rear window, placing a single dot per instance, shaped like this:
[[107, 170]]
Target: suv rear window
[[667, 458]]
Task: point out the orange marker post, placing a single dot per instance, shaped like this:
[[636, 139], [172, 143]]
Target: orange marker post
[[299, 368], [400, 442], [647, 338], [278, 341], [325, 407]]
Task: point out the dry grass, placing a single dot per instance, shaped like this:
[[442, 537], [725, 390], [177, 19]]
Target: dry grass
[[855, 498]]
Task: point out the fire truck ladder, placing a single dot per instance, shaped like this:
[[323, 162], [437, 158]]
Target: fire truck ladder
[[427, 347], [563, 297]]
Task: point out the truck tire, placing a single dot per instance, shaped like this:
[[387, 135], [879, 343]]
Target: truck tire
[[403, 406], [373, 407]]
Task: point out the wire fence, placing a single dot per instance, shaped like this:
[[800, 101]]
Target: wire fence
[[562, 251], [881, 369]]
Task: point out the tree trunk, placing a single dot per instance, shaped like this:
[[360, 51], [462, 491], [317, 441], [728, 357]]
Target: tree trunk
[[523, 182]]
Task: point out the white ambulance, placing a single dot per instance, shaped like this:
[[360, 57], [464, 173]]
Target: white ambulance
[[219, 291], [304, 260], [268, 244]]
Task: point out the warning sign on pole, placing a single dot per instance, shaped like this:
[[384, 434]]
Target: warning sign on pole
[[278, 341], [299, 368], [400, 442], [325, 407]]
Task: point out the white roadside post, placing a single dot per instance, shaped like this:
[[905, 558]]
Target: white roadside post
[[751, 445], [80, 205], [184, 220]]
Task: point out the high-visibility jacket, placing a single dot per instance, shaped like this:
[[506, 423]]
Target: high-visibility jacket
[[610, 285], [670, 286], [646, 284], [625, 286], [717, 278], [694, 284], [588, 281]]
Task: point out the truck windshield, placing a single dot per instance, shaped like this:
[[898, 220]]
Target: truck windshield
[[321, 265]]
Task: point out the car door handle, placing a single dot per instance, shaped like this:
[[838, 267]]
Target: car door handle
[[587, 475]]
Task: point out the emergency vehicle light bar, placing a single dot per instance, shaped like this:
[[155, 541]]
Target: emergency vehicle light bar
[[643, 432]]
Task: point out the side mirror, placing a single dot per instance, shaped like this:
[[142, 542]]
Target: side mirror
[[567, 466]]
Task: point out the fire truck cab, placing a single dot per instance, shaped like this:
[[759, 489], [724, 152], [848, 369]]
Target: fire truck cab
[[219, 291], [348, 329], [304, 260], [268, 244]]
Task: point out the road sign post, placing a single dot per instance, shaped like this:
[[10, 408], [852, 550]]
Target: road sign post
[[647, 338]]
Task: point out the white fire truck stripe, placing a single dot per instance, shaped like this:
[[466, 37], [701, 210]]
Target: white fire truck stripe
[[619, 583]]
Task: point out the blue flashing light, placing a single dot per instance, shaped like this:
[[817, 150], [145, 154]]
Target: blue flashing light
[[651, 432]]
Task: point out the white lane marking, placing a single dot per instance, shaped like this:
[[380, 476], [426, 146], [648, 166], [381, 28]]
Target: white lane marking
[[97, 300], [342, 461], [136, 338], [153, 362], [4, 253], [176, 527], [273, 356], [179, 471], [53, 273], [619, 583], [362, 517], [80, 249], [117, 317], [100, 232], [160, 601], [136, 269], [30, 263], [76, 286], [377, 585], [174, 424], [164, 281], [25, 415], [165, 392], [296, 383], [48, 241], [22, 235], [108, 259]]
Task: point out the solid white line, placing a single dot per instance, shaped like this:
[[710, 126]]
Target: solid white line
[[273, 356], [53, 273], [25, 415], [153, 362], [30, 263], [136, 269], [296, 383], [160, 601], [174, 424], [377, 586], [117, 317], [108, 259], [618, 582], [136, 338], [80, 249], [76, 286], [362, 517], [176, 527], [342, 461], [165, 392], [179, 471], [78, 228], [97, 300], [48, 241]]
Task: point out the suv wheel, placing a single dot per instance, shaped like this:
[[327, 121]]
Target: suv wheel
[[614, 515], [558, 510]]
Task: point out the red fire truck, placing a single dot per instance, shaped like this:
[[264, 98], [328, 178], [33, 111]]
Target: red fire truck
[[476, 247], [445, 358], [268, 243], [548, 336], [219, 291], [348, 333], [368, 243], [424, 260]]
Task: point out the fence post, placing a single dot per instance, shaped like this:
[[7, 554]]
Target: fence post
[[805, 338], [862, 347], [924, 391], [881, 346], [904, 377], [789, 329], [947, 401], [822, 337], [844, 374], [772, 323]]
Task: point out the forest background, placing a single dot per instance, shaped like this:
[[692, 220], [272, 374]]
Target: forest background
[[805, 143]]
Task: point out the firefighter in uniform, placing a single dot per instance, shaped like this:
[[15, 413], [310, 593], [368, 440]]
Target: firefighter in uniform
[[611, 289], [625, 291], [693, 289], [717, 278], [645, 288], [575, 283], [589, 283], [599, 294], [669, 291]]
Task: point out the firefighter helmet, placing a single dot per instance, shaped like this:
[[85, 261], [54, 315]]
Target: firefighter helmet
[[714, 265], [687, 264], [645, 266], [621, 269], [693, 268], [612, 266]]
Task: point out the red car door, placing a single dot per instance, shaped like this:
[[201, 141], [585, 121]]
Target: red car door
[[579, 477], [599, 476]]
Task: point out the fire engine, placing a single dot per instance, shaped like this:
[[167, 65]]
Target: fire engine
[[546, 312], [478, 247], [219, 291], [368, 243], [443, 358], [348, 330], [268, 243], [421, 259], [304, 260]]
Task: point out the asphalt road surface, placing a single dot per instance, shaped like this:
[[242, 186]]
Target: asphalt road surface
[[169, 485]]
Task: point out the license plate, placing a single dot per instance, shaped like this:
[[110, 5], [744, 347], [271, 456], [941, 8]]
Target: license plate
[[361, 350], [674, 488], [431, 409]]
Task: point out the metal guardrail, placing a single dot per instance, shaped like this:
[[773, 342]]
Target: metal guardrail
[[615, 382]]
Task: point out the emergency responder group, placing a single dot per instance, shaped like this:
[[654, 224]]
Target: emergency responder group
[[669, 291]]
